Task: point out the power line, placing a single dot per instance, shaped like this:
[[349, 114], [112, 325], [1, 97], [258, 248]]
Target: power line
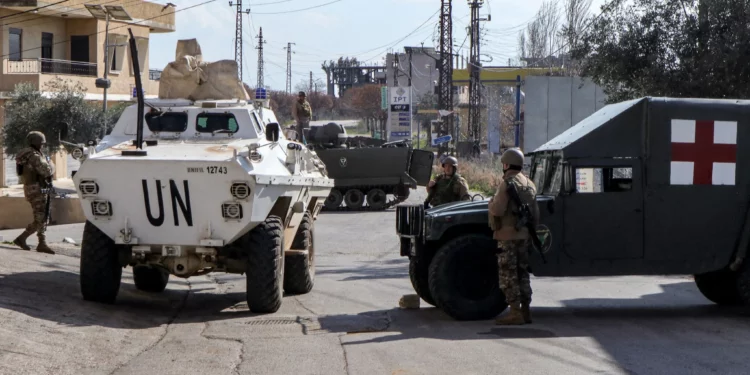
[[120, 27], [299, 10], [68, 10], [32, 10]]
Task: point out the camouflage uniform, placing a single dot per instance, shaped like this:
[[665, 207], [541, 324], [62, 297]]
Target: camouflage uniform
[[448, 188], [513, 245], [36, 177], [302, 113]]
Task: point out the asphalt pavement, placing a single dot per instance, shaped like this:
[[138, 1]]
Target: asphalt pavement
[[351, 322]]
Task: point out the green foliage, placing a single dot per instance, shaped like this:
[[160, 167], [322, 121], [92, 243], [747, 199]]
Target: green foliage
[[686, 48], [28, 110]]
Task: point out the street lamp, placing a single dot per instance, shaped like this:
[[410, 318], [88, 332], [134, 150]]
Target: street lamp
[[104, 13]]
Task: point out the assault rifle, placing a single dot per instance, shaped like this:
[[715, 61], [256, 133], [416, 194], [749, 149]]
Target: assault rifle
[[525, 219], [49, 190]]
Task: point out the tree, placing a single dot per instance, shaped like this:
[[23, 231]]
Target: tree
[[364, 101], [28, 110], [669, 48]]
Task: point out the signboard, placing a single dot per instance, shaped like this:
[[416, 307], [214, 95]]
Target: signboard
[[441, 140], [384, 97], [585, 180], [399, 113]]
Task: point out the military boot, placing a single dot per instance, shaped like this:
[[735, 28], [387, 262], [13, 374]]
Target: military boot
[[42, 246], [526, 312], [514, 316], [20, 241]]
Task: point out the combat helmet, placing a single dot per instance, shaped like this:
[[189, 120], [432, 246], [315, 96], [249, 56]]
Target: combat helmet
[[450, 160], [36, 138], [512, 156]]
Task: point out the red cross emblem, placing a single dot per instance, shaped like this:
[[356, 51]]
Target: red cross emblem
[[704, 152]]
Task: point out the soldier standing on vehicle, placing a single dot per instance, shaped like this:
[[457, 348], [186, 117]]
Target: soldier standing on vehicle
[[449, 186], [302, 113], [513, 244], [35, 172]]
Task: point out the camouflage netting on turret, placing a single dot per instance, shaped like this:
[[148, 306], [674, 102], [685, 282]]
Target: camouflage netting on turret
[[189, 77]]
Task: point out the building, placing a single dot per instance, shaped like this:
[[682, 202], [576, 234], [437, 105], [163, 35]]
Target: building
[[421, 65], [40, 41]]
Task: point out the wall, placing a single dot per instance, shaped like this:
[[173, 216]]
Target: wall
[[554, 104]]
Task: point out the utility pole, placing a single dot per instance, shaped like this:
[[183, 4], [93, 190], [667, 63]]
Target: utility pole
[[288, 49], [310, 90], [395, 68], [260, 58], [475, 85], [445, 85], [238, 38]]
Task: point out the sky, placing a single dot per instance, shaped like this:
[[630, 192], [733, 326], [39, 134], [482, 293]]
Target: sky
[[366, 29]]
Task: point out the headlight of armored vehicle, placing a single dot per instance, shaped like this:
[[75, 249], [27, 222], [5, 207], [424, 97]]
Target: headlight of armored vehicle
[[240, 190], [101, 208], [77, 153], [88, 188]]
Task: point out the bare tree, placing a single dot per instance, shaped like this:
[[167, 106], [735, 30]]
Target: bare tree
[[549, 19], [522, 45], [576, 14]]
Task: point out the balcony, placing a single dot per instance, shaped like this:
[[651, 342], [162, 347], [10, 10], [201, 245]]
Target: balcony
[[49, 66]]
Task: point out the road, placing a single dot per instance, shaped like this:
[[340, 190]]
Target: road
[[351, 323]]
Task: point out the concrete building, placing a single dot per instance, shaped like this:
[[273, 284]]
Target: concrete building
[[419, 63], [40, 41]]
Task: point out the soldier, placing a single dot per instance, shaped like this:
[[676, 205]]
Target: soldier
[[36, 173], [302, 113], [449, 186], [513, 245]]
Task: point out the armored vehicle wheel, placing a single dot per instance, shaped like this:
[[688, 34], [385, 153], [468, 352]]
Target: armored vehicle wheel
[[419, 271], [150, 278], [265, 266], [334, 199], [354, 198], [376, 199], [719, 287], [742, 283], [299, 267], [464, 278], [100, 268]]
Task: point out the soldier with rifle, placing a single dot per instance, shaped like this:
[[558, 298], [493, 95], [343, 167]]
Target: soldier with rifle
[[448, 186], [35, 173], [514, 217]]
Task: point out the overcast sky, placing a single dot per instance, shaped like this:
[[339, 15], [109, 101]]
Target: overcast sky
[[366, 29]]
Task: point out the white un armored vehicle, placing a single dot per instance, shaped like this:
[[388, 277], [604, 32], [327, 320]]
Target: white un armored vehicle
[[206, 185]]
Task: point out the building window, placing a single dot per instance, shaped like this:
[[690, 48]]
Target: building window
[[15, 44], [116, 52]]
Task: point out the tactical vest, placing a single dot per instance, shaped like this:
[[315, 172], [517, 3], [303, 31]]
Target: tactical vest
[[26, 173], [527, 193], [446, 190]]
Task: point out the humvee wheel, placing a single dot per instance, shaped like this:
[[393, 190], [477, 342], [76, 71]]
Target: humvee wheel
[[464, 281], [376, 199], [334, 199], [419, 271], [265, 266], [742, 284], [354, 198], [719, 287], [299, 268], [150, 278], [100, 267]]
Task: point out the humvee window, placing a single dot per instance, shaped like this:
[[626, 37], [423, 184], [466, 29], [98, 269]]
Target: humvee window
[[213, 122], [167, 121], [604, 180]]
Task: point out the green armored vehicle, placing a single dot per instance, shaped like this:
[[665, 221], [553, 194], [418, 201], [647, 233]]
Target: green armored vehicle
[[652, 186]]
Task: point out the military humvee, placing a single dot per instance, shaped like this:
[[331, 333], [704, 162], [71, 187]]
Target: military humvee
[[651, 186]]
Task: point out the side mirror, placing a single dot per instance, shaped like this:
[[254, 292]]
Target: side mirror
[[272, 132]]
